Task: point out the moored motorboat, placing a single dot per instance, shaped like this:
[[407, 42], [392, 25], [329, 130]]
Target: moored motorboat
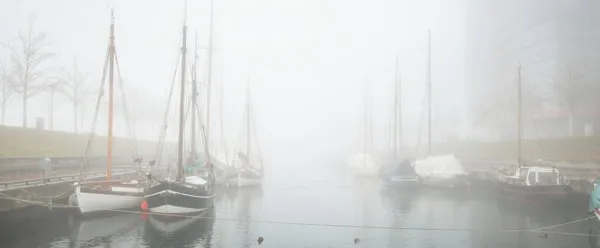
[[532, 182]]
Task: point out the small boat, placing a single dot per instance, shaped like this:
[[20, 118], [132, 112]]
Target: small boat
[[532, 182], [399, 174], [363, 165], [247, 177], [246, 173], [95, 196]]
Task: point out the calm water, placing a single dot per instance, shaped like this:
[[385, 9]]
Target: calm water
[[328, 196]]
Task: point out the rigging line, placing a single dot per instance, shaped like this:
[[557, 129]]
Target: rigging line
[[128, 119], [163, 128], [536, 230], [95, 118]]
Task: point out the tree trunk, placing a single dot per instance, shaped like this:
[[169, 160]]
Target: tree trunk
[[570, 123], [75, 116], [25, 108], [3, 112], [51, 117]]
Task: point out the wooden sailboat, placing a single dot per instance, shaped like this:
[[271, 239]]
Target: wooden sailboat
[[398, 171], [531, 180], [186, 194], [109, 194], [441, 170], [247, 174], [365, 164]]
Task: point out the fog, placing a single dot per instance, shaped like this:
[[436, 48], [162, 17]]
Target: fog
[[307, 62]]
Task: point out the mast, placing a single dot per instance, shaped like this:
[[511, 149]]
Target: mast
[[180, 172], [519, 116], [194, 99], [365, 119], [111, 57], [209, 81], [248, 121], [395, 109], [429, 92]]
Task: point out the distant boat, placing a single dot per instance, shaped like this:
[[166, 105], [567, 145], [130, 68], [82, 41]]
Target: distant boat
[[365, 164], [401, 174], [95, 196], [247, 173], [441, 171], [532, 181]]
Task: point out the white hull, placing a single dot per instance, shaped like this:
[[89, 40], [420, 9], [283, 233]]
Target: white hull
[[245, 182], [170, 209], [96, 202]]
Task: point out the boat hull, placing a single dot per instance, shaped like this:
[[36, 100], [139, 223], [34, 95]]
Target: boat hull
[[533, 192], [245, 182], [176, 198], [90, 201], [442, 182], [401, 181]]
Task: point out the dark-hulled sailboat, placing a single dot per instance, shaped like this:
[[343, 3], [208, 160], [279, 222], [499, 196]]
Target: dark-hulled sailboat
[[186, 194]]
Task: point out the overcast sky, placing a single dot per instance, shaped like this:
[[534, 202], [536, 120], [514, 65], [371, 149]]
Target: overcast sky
[[307, 62]]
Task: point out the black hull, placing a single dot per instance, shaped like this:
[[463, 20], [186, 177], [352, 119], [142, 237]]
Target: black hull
[[175, 198], [534, 192]]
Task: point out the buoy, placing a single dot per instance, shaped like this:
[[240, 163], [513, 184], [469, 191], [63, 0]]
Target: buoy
[[144, 205]]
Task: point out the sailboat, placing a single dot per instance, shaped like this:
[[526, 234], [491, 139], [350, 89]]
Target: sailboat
[[537, 180], [218, 154], [186, 194], [109, 194], [398, 171], [365, 164], [247, 174], [441, 170]]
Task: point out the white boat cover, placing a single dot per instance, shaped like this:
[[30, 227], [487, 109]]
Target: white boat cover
[[445, 166], [195, 180]]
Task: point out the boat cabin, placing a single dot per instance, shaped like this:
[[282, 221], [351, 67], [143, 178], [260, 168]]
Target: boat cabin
[[538, 175]]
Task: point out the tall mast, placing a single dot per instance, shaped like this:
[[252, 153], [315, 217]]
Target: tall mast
[[248, 121], [194, 99], [180, 172], [395, 109], [519, 116], [111, 57], [209, 81], [429, 92], [365, 118]]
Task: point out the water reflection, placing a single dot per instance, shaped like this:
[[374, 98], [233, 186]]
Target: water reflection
[[168, 231], [112, 229]]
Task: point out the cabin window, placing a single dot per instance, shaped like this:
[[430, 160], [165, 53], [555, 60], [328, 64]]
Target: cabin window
[[531, 177], [547, 178]]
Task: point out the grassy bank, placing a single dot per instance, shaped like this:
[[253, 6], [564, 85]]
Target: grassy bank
[[25, 142], [578, 149]]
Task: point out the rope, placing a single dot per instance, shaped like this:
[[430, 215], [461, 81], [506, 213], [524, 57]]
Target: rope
[[536, 230], [95, 119], [128, 120]]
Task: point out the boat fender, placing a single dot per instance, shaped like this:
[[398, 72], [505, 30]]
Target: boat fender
[[144, 205]]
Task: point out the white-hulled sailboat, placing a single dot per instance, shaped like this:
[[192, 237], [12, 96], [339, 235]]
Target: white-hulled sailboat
[[95, 196], [247, 173], [365, 164]]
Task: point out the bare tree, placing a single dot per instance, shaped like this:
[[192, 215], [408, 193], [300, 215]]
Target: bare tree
[[28, 55], [75, 89], [570, 91], [6, 88]]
